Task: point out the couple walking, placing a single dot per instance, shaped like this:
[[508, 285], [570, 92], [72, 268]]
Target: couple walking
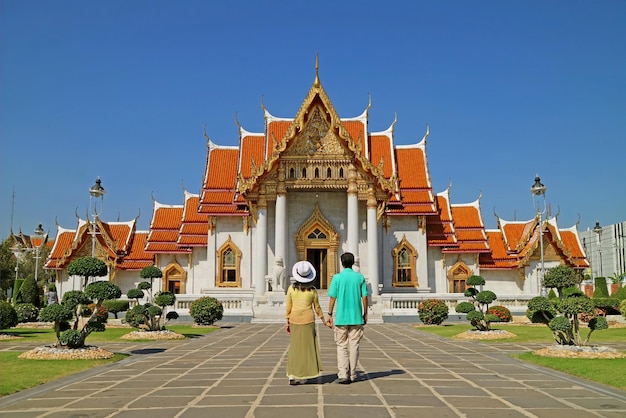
[[348, 293]]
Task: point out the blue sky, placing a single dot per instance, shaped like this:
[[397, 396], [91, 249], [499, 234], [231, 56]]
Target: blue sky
[[123, 89]]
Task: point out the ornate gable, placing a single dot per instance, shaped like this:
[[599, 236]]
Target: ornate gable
[[315, 152]]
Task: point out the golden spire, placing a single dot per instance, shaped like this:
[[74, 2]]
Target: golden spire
[[316, 83]]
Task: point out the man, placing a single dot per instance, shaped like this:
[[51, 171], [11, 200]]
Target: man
[[348, 291]]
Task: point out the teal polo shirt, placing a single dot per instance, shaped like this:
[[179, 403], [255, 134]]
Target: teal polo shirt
[[348, 288]]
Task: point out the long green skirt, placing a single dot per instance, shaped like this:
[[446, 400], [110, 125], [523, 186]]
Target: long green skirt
[[303, 360]]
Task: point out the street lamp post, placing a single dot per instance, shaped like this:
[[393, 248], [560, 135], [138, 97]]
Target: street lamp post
[[598, 230], [39, 235], [96, 191], [539, 189]]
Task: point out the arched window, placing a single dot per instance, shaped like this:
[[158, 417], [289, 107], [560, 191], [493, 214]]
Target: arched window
[[304, 173], [341, 173], [457, 275], [229, 259], [316, 174], [292, 173], [329, 173], [404, 258]]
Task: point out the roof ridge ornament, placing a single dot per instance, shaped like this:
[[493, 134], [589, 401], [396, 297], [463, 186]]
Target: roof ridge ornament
[[316, 83]]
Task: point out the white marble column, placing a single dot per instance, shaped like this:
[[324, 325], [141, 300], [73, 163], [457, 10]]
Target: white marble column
[[260, 255], [353, 214], [281, 225], [372, 242]]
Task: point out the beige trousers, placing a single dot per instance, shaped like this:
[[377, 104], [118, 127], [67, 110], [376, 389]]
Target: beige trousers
[[348, 339]]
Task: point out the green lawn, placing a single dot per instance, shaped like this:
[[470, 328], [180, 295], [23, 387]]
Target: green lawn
[[606, 371], [46, 335], [18, 374], [535, 333]]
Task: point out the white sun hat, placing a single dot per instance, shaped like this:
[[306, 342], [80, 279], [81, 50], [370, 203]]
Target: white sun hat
[[303, 272]]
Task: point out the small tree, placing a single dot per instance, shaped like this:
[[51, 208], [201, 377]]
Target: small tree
[[72, 302], [478, 306], [150, 316], [562, 317], [150, 272]]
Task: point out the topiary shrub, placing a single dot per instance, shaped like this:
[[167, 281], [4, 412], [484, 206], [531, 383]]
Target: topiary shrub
[[60, 315], [151, 316], [206, 310], [563, 317], [17, 295], [30, 292], [477, 309], [8, 316], [71, 338], [26, 312], [502, 312], [622, 308], [116, 306], [600, 290]]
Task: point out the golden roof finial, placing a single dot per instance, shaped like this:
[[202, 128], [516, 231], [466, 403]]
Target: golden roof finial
[[316, 83]]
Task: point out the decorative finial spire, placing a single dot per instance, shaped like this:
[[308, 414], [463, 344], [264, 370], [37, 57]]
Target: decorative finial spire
[[316, 83]]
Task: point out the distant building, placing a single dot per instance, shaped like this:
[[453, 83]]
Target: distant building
[[312, 187], [606, 250]]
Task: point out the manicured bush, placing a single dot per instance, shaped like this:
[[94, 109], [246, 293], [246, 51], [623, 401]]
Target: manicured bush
[[502, 312], [17, 296], [152, 316], [26, 312], [477, 309], [564, 316], [31, 293], [622, 308], [206, 310], [71, 338], [135, 294], [116, 306], [8, 316], [600, 290], [60, 315]]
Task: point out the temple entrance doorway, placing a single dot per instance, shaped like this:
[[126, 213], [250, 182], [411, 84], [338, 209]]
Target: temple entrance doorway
[[318, 257]]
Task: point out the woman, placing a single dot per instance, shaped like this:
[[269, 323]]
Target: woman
[[303, 361]]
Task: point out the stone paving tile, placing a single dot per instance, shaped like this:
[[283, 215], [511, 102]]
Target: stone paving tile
[[353, 411], [240, 372]]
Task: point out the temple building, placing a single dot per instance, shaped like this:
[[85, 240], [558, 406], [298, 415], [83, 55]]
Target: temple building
[[310, 188]]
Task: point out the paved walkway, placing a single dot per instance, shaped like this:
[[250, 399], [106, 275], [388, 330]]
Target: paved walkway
[[239, 371]]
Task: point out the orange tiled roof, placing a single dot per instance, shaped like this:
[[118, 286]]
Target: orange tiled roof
[[164, 229], [357, 132], [440, 229], [499, 258], [514, 243], [194, 228], [137, 257], [416, 196], [469, 228], [276, 130], [381, 150]]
